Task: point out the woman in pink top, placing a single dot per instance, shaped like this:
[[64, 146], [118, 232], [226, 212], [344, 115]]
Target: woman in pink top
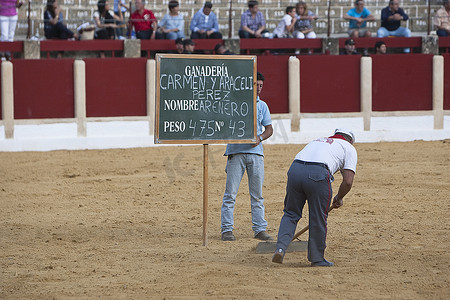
[[8, 22]]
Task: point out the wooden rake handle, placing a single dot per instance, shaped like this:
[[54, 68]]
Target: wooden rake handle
[[307, 226]]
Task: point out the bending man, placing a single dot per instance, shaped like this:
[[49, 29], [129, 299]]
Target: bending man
[[309, 178]]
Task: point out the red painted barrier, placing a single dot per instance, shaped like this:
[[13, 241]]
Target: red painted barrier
[[88, 45], [271, 44], [13, 47], [444, 42], [391, 42], [43, 89], [446, 81], [330, 83], [402, 82], [168, 46], [116, 87], [275, 90]]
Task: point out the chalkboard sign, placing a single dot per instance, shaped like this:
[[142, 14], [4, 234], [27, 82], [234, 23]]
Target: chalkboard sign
[[205, 99]]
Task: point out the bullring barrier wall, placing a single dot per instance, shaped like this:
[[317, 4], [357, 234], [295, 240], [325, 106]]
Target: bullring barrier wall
[[67, 90]]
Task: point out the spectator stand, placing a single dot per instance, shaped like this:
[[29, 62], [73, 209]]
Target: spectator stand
[[13, 47], [393, 44], [111, 46], [202, 46], [279, 46], [444, 44]]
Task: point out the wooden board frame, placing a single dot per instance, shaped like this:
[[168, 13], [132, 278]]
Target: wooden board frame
[[157, 138]]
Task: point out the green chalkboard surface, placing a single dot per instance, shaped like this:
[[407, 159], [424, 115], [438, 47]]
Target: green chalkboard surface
[[205, 99]]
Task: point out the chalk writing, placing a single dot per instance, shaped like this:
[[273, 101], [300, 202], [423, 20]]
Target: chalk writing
[[205, 98]]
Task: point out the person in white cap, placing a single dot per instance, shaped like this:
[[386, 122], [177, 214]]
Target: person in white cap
[[309, 178]]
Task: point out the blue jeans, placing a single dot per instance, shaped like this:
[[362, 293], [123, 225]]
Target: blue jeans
[[401, 31], [237, 164], [441, 32], [173, 35]]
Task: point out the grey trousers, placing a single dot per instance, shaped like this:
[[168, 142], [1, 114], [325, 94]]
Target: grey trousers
[[312, 183]]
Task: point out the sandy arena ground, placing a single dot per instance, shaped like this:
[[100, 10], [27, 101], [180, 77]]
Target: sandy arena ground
[[128, 224]]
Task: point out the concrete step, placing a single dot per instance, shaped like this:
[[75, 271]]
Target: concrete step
[[77, 12]]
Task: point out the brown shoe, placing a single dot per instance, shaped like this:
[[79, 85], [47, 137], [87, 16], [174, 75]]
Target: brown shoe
[[278, 256], [263, 236]]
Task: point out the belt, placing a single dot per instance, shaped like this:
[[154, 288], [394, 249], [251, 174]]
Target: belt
[[312, 163]]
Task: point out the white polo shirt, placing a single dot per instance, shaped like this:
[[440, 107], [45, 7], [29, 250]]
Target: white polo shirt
[[336, 153]]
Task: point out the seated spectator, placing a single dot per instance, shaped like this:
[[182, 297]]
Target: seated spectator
[[120, 5], [285, 27], [349, 47], [204, 24], [391, 17], [189, 46], [358, 17], [221, 50], [303, 27], [144, 21], [380, 47], [172, 24], [104, 21], [54, 27], [253, 24], [442, 19]]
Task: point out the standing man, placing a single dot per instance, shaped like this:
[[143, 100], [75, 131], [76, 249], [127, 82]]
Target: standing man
[[144, 21], [391, 18], [204, 24], [358, 17], [253, 24], [442, 19], [309, 178], [250, 158]]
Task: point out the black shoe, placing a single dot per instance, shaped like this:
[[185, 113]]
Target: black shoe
[[323, 263], [278, 256], [228, 236], [263, 236]]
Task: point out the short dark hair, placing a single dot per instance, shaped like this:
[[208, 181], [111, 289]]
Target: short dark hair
[[289, 9], [217, 47], [259, 76], [208, 4], [188, 42], [179, 41], [379, 43], [173, 3], [252, 3]]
